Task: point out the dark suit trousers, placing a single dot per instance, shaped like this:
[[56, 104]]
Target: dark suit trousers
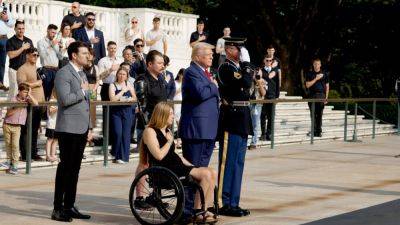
[[37, 113], [198, 152], [266, 114], [319, 109], [71, 152]]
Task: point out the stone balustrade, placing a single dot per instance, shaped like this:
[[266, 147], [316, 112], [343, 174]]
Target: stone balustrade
[[38, 14]]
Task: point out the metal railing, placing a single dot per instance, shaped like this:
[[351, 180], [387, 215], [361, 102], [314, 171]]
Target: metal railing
[[107, 104]]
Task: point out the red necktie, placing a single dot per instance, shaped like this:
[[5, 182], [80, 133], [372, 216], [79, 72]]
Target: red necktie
[[208, 74]]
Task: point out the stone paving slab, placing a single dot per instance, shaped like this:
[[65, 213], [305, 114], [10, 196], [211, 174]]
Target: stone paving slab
[[325, 183]]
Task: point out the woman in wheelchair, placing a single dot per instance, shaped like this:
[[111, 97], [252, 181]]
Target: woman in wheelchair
[[157, 147]]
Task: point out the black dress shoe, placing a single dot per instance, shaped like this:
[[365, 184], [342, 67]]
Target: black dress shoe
[[37, 158], [74, 213], [228, 211], [60, 215], [246, 212], [263, 137]]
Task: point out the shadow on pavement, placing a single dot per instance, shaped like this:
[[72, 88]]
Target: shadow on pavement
[[104, 210], [383, 214]]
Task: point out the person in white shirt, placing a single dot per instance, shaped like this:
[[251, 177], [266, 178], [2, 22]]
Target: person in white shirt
[[108, 67], [134, 32], [49, 51], [6, 22], [220, 48], [64, 38], [156, 39]]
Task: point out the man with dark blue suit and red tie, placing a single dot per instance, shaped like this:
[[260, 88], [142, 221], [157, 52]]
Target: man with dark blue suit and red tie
[[200, 110]]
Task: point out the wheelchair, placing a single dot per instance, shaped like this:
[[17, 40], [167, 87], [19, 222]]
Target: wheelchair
[[164, 194]]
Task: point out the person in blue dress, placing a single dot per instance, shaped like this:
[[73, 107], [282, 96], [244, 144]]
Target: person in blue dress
[[121, 116]]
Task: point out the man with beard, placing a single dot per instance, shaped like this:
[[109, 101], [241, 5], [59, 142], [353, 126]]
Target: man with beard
[[92, 36]]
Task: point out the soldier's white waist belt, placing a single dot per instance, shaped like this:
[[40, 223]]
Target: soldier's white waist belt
[[240, 103]]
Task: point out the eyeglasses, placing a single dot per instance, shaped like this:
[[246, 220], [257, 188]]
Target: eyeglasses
[[35, 55], [134, 22], [139, 46], [269, 60], [91, 19]]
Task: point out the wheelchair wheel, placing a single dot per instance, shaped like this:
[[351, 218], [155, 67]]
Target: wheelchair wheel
[[162, 197]]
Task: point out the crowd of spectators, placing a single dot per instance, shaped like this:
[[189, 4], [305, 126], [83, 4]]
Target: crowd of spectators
[[116, 78]]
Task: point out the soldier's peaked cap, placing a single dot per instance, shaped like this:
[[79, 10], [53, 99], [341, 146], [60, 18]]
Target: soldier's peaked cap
[[234, 41]]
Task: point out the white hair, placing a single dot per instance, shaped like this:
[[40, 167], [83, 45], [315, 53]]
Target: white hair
[[200, 48]]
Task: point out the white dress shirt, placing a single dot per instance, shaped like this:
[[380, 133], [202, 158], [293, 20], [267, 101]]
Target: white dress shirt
[[105, 64]]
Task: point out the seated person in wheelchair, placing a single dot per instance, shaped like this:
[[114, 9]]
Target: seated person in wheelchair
[[158, 146]]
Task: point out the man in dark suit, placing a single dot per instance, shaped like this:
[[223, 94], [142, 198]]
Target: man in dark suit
[[140, 63], [72, 126], [199, 119], [92, 36]]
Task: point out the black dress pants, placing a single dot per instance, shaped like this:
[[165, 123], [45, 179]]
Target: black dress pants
[[266, 114], [319, 108], [37, 113], [71, 152]]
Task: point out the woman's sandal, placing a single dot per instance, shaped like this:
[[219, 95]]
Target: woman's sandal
[[207, 218]]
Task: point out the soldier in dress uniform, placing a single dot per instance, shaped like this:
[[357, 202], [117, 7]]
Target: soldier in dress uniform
[[234, 80]]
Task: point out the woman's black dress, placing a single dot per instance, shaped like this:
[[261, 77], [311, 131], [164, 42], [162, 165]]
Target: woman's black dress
[[170, 161]]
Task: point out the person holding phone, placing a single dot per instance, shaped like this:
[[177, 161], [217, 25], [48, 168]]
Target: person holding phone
[[6, 22]]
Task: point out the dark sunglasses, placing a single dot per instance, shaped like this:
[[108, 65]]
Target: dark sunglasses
[[35, 55], [269, 60], [134, 22], [139, 46], [90, 19]]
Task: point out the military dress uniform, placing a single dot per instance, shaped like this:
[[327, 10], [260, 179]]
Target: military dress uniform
[[234, 127]]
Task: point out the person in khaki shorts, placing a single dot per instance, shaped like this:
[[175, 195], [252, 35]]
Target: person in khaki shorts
[[15, 117]]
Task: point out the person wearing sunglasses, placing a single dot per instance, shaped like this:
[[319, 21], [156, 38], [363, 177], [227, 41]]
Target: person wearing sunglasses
[[75, 19], [27, 74], [269, 73], [92, 36], [140, 63], [133, 32]]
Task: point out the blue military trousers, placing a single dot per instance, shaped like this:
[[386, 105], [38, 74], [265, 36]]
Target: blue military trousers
[[232, 153]]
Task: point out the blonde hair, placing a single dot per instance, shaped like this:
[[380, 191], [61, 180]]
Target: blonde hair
[[158, 120], [200, 48]]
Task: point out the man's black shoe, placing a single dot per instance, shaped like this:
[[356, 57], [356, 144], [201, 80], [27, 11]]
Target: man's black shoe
[[228, 211], [60, 215], [263, 137], [37, 158], [246, 212], [268, 137], [74, 213]]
